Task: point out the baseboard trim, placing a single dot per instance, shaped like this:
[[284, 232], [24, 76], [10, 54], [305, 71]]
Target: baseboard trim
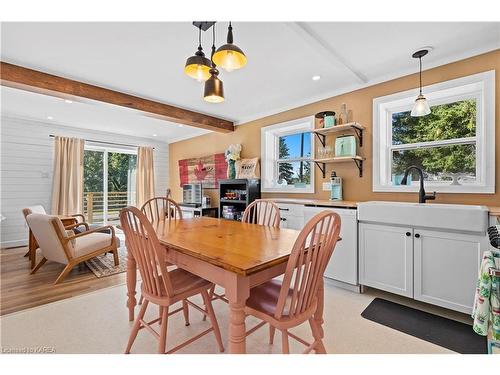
[[16, 243], [346, 286]]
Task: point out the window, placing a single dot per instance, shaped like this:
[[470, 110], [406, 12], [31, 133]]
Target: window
[[108, 181], [454, 145], [287, 151]]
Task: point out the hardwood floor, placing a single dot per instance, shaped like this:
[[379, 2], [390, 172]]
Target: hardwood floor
[[19, 290]]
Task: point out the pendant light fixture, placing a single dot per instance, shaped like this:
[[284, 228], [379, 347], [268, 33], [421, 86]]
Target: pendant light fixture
[[198, 66], [214, 89], [229, 56], [421, 107]]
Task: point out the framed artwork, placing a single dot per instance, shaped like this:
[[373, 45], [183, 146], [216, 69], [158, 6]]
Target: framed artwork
[[207, 170]]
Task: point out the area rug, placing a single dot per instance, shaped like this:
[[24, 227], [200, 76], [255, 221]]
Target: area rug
[[435, 329], [103, 265]]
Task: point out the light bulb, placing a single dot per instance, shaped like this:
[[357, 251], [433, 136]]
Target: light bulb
[[199, 73], [231, 61]]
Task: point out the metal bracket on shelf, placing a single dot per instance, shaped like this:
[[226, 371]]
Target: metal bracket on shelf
[[359, 164], [322, 139], [322, 167], [359, 133]]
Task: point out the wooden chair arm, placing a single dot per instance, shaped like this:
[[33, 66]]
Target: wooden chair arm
[[72, 226], [69, 238], [79, 215]]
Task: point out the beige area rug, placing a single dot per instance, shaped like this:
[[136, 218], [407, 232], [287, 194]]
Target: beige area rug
[[103, 265], [99, 324]]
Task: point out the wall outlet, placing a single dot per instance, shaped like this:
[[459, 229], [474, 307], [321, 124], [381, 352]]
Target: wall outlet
[[327, 186]]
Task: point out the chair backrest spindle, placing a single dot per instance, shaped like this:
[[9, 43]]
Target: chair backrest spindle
[[262, 212], [306, 265], [161, 208]]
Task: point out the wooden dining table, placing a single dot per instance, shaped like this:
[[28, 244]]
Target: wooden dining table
[[234, 255]]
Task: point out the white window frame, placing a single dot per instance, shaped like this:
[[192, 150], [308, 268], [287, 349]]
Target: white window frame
[[480, 86], [269, 155]]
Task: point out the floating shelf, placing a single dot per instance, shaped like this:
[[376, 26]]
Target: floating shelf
[[322, 132], [358, 160]]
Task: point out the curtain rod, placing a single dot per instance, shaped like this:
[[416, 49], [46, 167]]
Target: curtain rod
[[103, 142]]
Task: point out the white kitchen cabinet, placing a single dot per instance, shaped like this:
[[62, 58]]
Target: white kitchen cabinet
[[343, 265], [386, 258], [446, 268], [292, 216]]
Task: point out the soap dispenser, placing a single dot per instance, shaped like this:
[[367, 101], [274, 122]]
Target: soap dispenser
[[336, 187]]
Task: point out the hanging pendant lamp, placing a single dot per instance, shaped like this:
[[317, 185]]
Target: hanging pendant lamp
[[214, 88], [421, 107], [229, 56], [198, 66]]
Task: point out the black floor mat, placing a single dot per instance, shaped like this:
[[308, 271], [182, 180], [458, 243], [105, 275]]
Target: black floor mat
[[435, 329]]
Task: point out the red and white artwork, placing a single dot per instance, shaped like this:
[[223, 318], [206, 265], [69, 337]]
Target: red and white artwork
[[207, 170]]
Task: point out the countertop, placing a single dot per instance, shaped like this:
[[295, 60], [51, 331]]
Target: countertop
[[316, 202], [494, 211]]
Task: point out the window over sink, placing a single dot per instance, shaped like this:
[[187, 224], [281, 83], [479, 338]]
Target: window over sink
[[287, 153], [454, 145]]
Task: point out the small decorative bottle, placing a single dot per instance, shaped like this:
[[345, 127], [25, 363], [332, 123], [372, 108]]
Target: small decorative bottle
[[343, 114]]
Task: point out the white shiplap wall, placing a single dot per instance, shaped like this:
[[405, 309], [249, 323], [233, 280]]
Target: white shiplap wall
[[26, 168]]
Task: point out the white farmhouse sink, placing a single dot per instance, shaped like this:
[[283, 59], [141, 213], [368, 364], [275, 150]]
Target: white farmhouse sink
[[456, 217]]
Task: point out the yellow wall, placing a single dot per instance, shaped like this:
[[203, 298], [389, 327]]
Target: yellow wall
[[360, 102]]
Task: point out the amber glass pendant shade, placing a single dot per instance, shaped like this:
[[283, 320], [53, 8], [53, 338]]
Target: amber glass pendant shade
[[214, 88]]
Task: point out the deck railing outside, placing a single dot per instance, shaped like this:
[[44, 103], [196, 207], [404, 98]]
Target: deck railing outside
[[93, 205]]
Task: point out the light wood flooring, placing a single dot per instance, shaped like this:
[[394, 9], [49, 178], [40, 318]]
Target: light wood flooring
[[19, 290]]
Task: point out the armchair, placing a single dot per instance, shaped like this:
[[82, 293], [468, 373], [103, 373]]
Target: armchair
[[62, 245]]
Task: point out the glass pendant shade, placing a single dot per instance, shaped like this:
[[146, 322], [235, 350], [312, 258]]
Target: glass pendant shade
[[214, 88], [421, 107], [198, 67], [229, 56]]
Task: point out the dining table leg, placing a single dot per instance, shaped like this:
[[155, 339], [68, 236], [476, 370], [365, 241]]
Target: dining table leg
[[131, 284], [237, 292]]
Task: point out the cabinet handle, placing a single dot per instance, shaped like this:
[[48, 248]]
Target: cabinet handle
[[417, 235], [283, 219], [284, 209], [408, 234]]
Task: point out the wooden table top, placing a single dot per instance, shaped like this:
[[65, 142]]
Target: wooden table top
[[235, 246]]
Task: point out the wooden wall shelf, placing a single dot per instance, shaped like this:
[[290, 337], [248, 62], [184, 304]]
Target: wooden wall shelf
[[358, 160], [322, 132]]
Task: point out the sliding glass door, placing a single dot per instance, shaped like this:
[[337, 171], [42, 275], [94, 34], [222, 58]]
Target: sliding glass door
[[109, 182]]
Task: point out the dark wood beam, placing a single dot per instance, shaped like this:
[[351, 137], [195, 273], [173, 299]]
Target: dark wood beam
[[33, 80]]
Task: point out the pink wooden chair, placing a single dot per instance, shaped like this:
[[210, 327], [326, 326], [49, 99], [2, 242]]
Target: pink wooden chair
[[293, 301], [161, 208], [262, 212], [158, 209], [160, 286]]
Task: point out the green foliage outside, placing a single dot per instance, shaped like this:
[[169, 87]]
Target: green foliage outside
[[118, 169], [287, 171], [447, 121]]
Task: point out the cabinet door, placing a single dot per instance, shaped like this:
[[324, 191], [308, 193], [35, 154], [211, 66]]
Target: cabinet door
[[446, 268], [386, 258]]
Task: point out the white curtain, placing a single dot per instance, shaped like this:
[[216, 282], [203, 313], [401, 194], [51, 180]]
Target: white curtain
[[67, 183], [145, 182]]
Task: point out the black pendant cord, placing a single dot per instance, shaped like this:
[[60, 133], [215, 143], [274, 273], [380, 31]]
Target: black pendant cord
[[213, 47], [199, 40], [230, 34], [420, 61]]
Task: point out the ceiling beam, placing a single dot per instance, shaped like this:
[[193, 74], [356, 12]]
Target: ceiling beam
[[33, 80], [312, 38]]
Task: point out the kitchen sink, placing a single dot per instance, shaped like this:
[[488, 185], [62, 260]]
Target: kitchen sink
[[456, 217]]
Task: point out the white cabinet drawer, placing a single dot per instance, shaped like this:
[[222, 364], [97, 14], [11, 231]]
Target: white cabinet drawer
[[291, 209]]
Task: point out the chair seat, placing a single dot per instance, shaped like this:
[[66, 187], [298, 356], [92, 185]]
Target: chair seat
[[184, 282], [91, 242], [264, 297]]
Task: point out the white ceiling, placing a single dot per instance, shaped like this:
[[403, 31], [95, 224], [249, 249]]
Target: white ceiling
[[92, 115], [147, 59]]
